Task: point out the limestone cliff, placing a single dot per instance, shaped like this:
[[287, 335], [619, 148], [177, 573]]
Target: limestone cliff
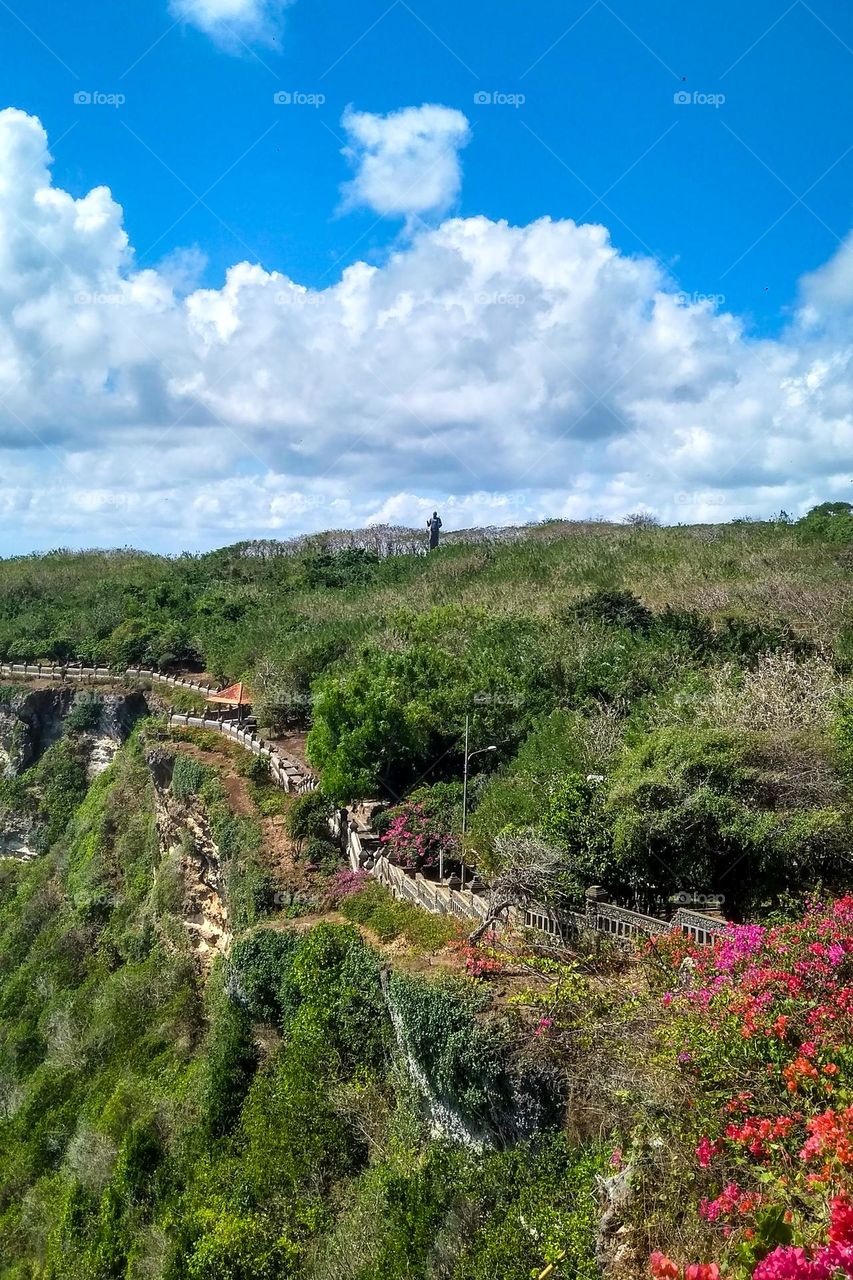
[[31, 721], [188, 849]]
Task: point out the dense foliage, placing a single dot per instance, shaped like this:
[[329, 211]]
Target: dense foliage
[[671, 711], [253, 1125]]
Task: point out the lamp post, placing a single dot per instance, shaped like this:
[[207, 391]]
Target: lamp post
[[469, 756]]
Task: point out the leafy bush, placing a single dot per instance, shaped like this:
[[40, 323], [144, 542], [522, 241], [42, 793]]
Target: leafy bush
[[86, 713], [615, 608], [257, 964], [323, 854], [309, 816], [188, 776], [231, 1061], [256, 769], [534, 1205], [713, 811], [350, 567], [466, 1059], [829, 522]]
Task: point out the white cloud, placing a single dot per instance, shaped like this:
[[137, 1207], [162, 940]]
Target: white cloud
[[502, 373], [406, 162], [231, 21]]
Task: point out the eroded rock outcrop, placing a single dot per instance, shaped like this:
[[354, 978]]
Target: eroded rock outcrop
[[188, 847], [30, 722], [119, 713]]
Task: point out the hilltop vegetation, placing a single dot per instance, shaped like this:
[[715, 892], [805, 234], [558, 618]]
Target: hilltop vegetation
[[700, 675]]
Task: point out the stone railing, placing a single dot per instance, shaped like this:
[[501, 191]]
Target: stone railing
[[361, 847], [177, 682], [604, 917], [284, 772], [57, 671], [79, 671]]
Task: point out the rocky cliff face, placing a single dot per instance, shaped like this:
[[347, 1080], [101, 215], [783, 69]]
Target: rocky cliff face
[[29, 723], [187, 846], [119, 713], [33, 720]]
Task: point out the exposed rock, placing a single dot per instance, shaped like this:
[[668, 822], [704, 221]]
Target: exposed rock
[[18, 837], [119, 713], [616, 1248], [186, 839], [33, 720], [29, 723]]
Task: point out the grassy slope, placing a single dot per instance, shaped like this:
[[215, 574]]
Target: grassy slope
[[235, 608]]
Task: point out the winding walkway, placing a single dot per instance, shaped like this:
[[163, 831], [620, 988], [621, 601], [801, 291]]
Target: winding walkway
[[285, 772]]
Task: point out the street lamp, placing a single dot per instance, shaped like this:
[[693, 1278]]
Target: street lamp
[[468, 758]]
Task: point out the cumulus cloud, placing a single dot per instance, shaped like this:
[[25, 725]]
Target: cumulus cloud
[[407, 162], [503, 373], [231, 21]]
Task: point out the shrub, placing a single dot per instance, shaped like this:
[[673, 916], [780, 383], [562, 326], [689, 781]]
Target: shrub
[[86, 713], [231, 1061], [188, 776], [748, 815], [615, 608], [762, 1158], [347, 882], [323, 854], [256, 967], [467, 1060], [829, 522], [257, 770], [534, 1205], [309, 816], [420, 833]]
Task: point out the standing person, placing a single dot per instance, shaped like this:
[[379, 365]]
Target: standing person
[[434, 524]]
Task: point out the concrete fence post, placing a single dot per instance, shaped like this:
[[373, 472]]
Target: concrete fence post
[[594, 895]]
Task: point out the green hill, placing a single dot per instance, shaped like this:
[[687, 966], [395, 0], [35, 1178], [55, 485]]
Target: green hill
[[701, 671], [210, 1069]]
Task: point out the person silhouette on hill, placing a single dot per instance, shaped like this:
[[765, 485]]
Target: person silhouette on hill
[[433, 524]]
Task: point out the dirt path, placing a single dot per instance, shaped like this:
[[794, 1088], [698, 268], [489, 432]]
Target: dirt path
[[292, 745], [280, 854]]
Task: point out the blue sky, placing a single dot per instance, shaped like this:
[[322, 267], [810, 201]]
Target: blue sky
[[733, 195], [696, 187]]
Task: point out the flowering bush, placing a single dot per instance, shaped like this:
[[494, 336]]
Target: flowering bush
[[483, 960], [419, 832], [347, 882], [761, 1021]]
